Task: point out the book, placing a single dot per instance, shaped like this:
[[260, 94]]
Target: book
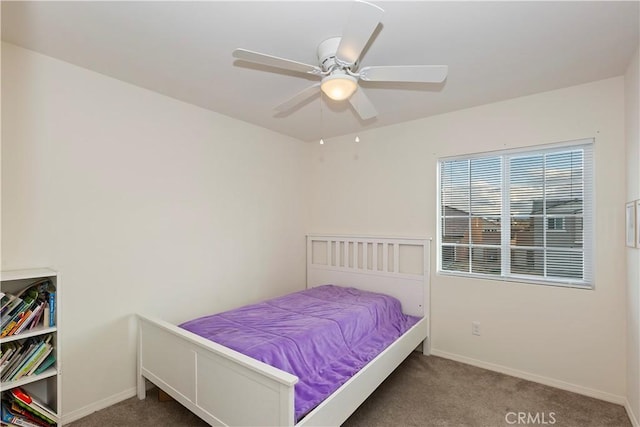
[[5, 356], [29, 300], [18, 411], [46, 363], [23, 318], [12, 310], [45, 316], [12, 305], [33, 405], [19, 360], [20, 417], [5, 415], [30, 292], [8, 350], [36, 321], [26, 366], [52, 308], [15, 360], [26, 356], [40, 359], [9, 417], [12, 322], [5, 302], [30, 318]]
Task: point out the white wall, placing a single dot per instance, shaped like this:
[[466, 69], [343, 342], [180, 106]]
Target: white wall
[[386, 184], [145, 204], [632, 109]]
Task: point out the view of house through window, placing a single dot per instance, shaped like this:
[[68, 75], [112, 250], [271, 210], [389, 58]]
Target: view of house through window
[[519, 214]]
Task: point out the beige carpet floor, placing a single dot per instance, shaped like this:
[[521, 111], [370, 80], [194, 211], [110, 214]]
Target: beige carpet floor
[[423, 391]]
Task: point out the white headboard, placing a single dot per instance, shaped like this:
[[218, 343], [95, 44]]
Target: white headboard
[[396, 266]]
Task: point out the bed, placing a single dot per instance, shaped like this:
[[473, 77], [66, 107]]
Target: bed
[[225, 387]]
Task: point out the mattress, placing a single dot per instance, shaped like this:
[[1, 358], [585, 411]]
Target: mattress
[[323, 335]]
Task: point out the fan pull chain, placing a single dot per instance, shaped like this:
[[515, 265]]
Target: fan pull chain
[[321, 119]]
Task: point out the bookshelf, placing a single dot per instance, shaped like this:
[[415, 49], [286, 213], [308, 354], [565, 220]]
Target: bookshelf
[[43, 384]]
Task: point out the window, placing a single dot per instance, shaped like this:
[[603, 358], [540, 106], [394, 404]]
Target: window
[[555, 223], [519, 215]]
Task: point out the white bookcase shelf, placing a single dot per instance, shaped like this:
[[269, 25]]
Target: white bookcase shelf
[[46, 386], [30, 333], [28, 380]]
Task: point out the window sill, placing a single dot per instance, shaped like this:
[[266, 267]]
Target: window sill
[[517, 279]]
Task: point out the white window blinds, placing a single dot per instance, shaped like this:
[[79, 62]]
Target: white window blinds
[[519, 215]]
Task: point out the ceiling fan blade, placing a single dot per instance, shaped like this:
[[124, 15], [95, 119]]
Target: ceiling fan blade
[[299, 97], [405, 73], [274, 61], [363, 106], [363, 20]]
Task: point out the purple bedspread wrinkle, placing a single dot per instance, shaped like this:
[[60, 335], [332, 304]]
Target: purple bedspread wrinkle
[[323, 335]]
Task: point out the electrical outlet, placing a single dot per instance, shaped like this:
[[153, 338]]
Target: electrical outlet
[[475, 328]]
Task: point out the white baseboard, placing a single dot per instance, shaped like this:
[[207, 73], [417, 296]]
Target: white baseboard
[[632, 416], [602, 395], [96, 406]]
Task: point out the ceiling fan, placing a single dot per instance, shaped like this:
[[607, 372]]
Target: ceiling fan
[[338, 66]]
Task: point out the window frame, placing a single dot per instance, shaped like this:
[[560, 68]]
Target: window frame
[[588, 217]]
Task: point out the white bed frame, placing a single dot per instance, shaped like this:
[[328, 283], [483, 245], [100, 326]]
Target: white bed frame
[[224, 387]]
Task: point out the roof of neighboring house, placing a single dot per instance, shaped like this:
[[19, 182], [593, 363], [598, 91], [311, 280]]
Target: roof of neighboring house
[[455, 212], [451, 211], [558, 206]]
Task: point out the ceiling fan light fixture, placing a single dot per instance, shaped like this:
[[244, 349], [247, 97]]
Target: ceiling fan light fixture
[[339, 86]]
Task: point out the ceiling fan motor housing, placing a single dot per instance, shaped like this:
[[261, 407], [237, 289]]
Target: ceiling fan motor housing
[[327, 53]]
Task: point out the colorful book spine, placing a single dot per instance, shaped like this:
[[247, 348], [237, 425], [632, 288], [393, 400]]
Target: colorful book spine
[[52, 309], [40, 360], [33, 358], [20, 412], [33, 405], [45, 316], [46, 363], [11, 310], [22, 358], [11, 418], [23, 318], [38, 317], [7, 300], [9, 321], [30, 319]]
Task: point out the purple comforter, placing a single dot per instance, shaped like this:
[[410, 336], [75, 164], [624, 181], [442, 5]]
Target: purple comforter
[[323, 335]]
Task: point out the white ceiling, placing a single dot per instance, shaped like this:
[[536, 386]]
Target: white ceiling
[[494, 50]]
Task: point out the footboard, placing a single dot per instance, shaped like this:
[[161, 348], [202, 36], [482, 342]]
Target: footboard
[[220, 385]]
